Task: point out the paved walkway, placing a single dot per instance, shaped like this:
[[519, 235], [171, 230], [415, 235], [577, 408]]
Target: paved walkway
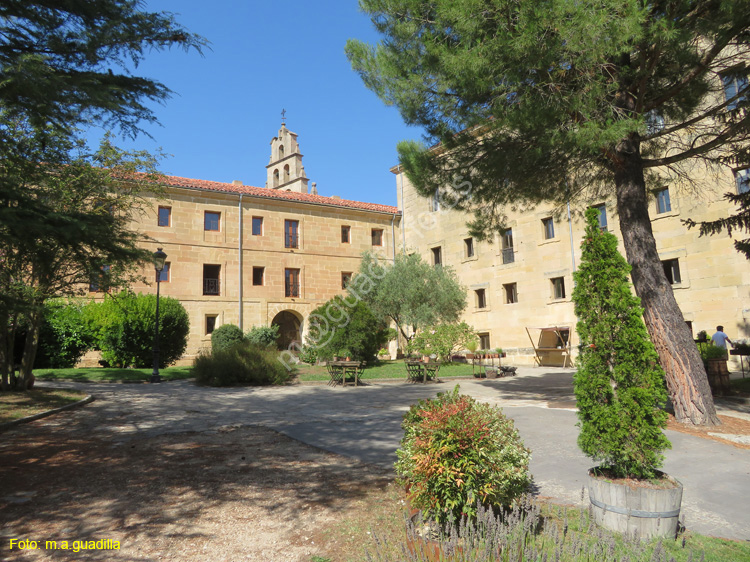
[[364, 423]]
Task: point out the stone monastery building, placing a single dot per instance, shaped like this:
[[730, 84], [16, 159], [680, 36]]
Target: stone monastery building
[[255, 256], [259, 256]]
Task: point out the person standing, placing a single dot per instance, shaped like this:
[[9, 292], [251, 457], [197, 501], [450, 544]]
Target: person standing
[[720, 339]]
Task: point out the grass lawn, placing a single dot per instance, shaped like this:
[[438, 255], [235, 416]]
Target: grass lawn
[[384, 370], [384, 515], [102, 374], [16, 405]]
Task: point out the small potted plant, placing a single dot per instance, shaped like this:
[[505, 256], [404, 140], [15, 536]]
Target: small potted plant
[[620, 394], [383, 354], [346, 354], [491, 470], [702, 337]]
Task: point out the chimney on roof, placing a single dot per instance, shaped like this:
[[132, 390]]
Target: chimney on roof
[[335, 197], [314, 190], [237, 182]]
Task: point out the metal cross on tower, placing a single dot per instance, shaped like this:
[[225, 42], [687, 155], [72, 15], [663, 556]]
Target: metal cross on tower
[[283, 116]]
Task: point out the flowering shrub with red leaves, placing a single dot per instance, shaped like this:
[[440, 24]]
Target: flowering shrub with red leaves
[[457, 453]]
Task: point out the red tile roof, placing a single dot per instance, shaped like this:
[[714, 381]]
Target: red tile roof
[[175, 181]]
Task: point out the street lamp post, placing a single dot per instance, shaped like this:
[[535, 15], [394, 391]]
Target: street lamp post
[[159, 260]]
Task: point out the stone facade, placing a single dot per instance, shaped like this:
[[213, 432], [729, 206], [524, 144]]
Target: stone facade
[[231, 248], [520, 284]]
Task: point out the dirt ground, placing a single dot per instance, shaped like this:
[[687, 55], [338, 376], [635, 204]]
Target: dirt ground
[[242, 493], [729, 425]]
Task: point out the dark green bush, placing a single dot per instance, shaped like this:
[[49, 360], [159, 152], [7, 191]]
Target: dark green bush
[[226, 336], [243, 363], [263, 336], [126, 330], [619, 385], [339, 326], [65, 335], [457, 453]]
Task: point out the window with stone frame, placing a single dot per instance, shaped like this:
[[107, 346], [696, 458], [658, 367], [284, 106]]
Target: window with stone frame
[[663, 204], [672, 271], [291, 234], [165, 216], [211, 221], [469, 247], [558, 288], [548, 228], [511, 293], [481, 298], [259, 276]]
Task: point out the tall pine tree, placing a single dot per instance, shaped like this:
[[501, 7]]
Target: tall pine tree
[[546, 100]]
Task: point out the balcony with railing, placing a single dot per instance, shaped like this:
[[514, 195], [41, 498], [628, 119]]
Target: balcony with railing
[[508, 255], [291, 240], [210, 286], [292, 289]]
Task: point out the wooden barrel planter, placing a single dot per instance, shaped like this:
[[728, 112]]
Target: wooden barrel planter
[[649, 512]]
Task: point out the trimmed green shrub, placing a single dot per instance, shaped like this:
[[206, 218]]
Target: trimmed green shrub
[[619, 385], [126, 330], [457, 453], [242, 363], [65, 335], [226, 336], [340, 326], [264, 336]]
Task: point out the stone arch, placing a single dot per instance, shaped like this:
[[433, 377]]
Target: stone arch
[[287, 176], [281, 151], [276, 178], [290, 328]]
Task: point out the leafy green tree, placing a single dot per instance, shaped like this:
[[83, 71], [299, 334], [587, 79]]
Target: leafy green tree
[[67, 63], [409, 291], [65, 335], [535, 100], [68, 229], [126, 330], [619, 385], [443, 340], [342, 326]]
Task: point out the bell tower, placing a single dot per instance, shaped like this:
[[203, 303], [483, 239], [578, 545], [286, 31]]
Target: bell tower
[[285, 170]]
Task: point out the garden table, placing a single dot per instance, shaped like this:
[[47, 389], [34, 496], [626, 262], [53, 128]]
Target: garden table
[[340, 371], [418, 371]]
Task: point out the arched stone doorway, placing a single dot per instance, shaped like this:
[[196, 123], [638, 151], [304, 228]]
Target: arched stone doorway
[[289, 325]]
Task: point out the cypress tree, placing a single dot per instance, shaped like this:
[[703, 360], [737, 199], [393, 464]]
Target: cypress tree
[[619, 385]]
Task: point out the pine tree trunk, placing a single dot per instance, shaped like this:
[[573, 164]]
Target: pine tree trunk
[[686, 377], [6, 350], [29, 349]]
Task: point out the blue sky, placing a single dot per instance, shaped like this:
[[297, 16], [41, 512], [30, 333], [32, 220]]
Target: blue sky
[[266, 56]]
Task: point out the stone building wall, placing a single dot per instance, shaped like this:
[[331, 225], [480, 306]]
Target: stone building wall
[[714, 284]]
